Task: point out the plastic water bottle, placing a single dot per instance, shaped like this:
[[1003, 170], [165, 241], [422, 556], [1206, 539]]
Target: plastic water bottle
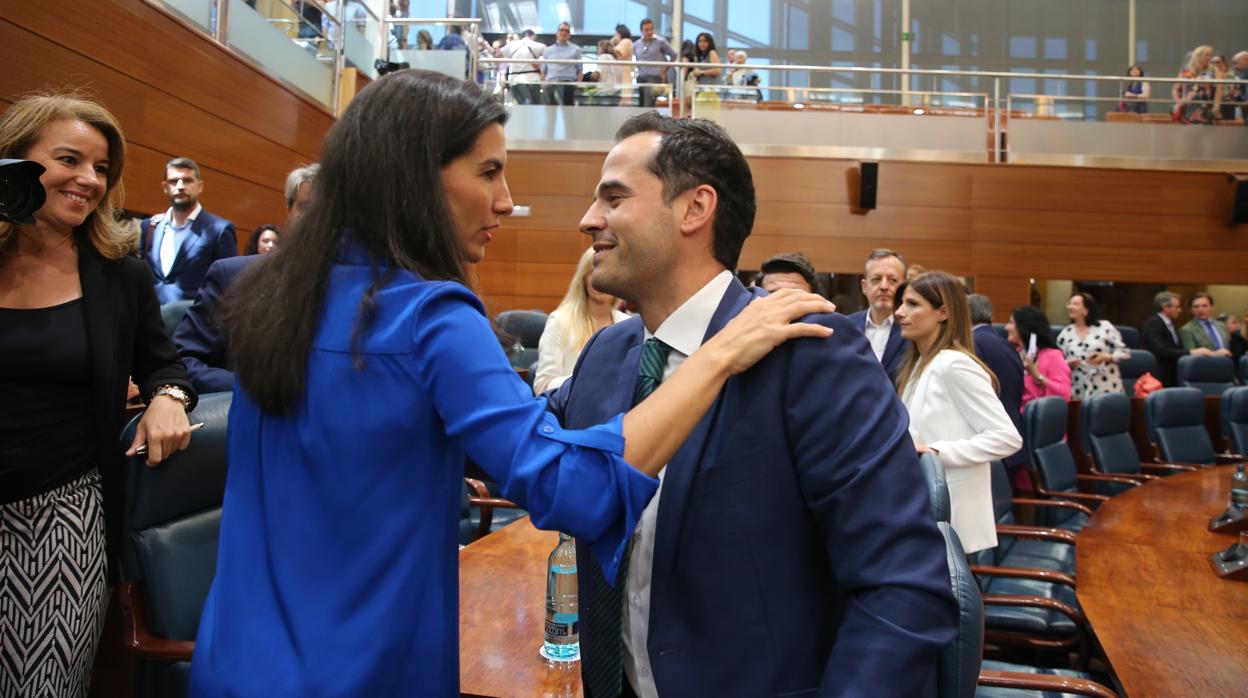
[[563, 641]]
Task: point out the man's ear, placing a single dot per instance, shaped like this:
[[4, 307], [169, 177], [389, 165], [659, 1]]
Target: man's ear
[[700, 204]]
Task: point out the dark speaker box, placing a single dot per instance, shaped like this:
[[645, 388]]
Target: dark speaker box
[[868, 184], [1239, 207]]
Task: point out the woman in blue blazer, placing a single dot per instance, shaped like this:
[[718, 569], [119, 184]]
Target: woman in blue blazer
[[366, 372], [952, 399]]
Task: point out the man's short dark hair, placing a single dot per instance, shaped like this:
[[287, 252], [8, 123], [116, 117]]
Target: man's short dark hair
[[528, 33], [791, 263], [184, 164], [693, 152], [646, 21], [1199, 295], [980, 307]]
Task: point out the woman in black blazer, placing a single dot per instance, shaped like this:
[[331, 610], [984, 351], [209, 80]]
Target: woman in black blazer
[[77, 319]]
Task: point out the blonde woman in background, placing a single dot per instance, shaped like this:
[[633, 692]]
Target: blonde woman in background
[[582, 312], [952, 400]]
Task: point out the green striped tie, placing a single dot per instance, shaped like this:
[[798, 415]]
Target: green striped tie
[[650, 372]]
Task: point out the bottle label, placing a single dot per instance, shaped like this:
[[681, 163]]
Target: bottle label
[[560, 627]]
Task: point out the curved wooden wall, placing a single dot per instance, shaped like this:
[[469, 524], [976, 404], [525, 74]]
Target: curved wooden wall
[[176, 92], [1001, 224]]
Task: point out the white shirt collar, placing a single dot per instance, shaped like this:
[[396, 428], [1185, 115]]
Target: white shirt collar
[[194, 213], [887, 323], [685, 328], [1165, 319]]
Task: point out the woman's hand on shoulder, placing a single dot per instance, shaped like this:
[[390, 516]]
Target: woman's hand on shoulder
[[164, 428], [766, 323]]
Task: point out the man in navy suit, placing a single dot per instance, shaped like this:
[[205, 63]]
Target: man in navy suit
[[790, 547], [1000, 356], [181, 243], [200, 340], [884, 271]]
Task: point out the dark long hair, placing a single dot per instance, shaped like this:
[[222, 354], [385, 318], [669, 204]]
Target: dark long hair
[[1029, 322], [380, 184], [1094, 311], [253, 244], [710, 46]]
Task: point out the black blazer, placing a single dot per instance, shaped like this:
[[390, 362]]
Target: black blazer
[[125, 337], [200, 341], [1156, 338]]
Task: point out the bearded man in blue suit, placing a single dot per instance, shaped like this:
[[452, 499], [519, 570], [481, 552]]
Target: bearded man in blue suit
[[790, 548]]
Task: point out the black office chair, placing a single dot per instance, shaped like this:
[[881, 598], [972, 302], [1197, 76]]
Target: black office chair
[[171, 315], [1142, 361], [1235, 420], [1243, 370], [958, 668], [1209, 374], [1106, 433], [1130, 336], [171, 517], [526, 326], [1053, 467], [1175, 418]]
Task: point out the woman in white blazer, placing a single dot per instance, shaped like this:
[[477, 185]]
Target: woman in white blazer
[[582, 312], [952, 400]]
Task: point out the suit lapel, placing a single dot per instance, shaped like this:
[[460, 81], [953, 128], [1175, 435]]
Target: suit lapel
[[99, 312], [893, 345], [678, 478]]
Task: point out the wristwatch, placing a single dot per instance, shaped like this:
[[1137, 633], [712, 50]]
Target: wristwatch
[[174, 392]]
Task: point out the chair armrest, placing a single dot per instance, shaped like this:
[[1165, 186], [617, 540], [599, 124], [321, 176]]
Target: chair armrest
[[1167, 467], [1134, 476], [1230, 458], [1036, 575], [1087, 496], [137, 635], [1025, 601], [1120, 479], [1054, 503], [1047, 683], [486, 504], [1055, 535]]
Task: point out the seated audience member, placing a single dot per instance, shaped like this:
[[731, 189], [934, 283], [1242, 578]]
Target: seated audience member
[[1202, 331], [1093, 347], [1135, 94], [952, 399], [582, 312], [201, 342], [1002, 360], [1048, 374], [424, 40], [883, 272], [1238, 332], [453, 40], [1194, 100], [1239, 93], [1160, 336], [263, 240], [788, 270], [182, 242], [1221, 70]]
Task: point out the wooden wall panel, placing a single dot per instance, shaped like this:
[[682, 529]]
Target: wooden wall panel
[[1002, 225], [176, 92]]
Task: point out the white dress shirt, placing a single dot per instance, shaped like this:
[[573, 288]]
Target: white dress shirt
[[171, 237], [683, 331], [877, 335], [955, 412]]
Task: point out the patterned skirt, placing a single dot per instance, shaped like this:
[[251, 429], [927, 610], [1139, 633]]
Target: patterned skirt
[[52, 590]]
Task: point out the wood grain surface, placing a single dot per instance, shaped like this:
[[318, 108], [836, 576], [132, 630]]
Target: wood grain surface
[[1168, 625], [502, 610]]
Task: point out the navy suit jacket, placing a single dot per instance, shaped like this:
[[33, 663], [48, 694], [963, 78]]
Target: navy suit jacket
[[211, 238], [894, 350], [795, 550], [200, 341], [1003, 359]]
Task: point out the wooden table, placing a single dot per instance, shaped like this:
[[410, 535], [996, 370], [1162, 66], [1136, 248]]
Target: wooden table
[[502, 597], [1168, 625]]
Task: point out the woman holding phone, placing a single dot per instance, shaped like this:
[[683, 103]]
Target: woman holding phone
[[367, 371], [1046, 371]]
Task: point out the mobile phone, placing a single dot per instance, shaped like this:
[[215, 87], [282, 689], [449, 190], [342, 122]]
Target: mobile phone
[[1032, 348]]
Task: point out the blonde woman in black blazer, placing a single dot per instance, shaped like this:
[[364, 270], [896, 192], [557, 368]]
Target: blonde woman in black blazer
[[78, 318]]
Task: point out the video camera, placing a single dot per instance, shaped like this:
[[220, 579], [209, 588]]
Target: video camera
[[21, 194]]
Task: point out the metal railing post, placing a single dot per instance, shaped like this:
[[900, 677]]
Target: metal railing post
[[996, 115]]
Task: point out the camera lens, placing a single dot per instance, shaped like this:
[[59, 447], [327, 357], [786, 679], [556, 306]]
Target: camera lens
[[21, 194], [13, 193]]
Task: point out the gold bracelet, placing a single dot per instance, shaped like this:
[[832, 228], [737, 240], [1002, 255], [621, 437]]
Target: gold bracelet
[[173, 391]]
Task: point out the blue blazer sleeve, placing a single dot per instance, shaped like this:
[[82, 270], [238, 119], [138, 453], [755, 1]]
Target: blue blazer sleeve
[[200, 342], [572, 480], [860, 477], [227, 242]]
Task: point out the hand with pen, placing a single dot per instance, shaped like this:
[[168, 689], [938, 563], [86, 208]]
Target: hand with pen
[[163, 431]]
